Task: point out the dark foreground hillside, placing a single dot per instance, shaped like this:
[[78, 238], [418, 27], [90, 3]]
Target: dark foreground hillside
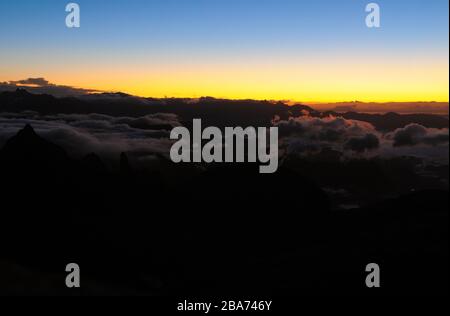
[[220, 230]]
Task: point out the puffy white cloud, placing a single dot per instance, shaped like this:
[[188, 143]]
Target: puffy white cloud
[[415, 134], [305, 133]]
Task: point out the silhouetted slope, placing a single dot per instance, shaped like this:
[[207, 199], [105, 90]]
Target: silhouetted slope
[[219, 229], [93, 164], [406, 236]]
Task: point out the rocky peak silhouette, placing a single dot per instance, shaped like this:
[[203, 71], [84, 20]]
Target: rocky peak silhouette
[[27, 132], [27, 145]]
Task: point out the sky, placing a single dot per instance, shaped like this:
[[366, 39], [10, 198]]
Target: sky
[[307, 51]]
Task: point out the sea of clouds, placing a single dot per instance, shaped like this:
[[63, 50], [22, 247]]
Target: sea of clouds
[[148, 136]]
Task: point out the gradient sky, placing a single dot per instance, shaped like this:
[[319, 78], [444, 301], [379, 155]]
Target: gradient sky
[[310, 51]]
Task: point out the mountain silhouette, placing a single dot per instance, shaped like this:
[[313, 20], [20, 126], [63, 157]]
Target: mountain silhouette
[[216, 112], [29, 146]]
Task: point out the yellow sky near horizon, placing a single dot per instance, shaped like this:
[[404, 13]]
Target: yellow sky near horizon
[[372, 80]]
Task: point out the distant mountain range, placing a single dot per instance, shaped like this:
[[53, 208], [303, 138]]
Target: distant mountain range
[[217, 112], [441, 108]]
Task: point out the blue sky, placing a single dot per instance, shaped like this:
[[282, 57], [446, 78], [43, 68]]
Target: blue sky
[[217, 23]]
